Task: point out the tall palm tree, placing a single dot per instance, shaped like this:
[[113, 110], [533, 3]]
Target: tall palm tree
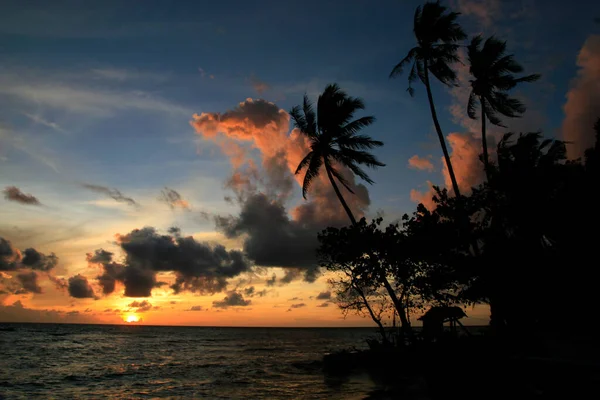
[[334, 140], [492, 70], [437, 34]]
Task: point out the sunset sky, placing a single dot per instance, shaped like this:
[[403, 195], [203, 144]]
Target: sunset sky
[[109, 137]]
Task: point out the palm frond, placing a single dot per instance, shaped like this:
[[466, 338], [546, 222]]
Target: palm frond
[[357, 142], [309, 115], [336, 174], [316, 161], [348, 155], [399, 68], [355, 126], [305, 161], [298, 119], [472, 106]]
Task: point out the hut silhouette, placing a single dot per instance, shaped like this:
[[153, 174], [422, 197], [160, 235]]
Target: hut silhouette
[[435, 318]]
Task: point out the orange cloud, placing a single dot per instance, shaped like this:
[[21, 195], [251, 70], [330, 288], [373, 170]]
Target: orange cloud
[[464, 156], [263, 126], [582, 108], [420, 163], [424, 197]]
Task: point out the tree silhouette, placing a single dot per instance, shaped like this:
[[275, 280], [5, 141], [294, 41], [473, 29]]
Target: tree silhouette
[[437, 34], [334, 139], [492, 71]]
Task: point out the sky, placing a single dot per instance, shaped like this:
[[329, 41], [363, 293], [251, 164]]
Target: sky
[[146, 153]]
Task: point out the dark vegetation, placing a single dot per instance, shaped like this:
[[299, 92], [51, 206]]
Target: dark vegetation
[[523, 241]]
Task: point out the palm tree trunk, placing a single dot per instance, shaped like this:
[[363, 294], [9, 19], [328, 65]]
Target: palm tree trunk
[[384, 280], [339, 195], [440, 134], [486, 162]]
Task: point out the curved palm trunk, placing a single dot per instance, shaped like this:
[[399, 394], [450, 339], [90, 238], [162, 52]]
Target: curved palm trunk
[[397, 303], [486, 162], [440, 134], [339, 195]]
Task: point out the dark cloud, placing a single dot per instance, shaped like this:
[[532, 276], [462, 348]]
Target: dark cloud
[[80, 288], [13, 193], [35, 260], [271, 281], [196, 308], [29, 282], [9, 256], [323, 305], [141, 306], [299, 305], [198, 267], [272, 238], [173, 199], [295, 299], [252, 292], [112, 271], [233, 299], [324, 296], [112, 193]]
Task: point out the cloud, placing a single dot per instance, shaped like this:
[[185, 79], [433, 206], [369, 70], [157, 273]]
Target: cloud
[[298, 305], [13, 193], [29, 282], [173, 199], [263, 188], [464, 156], [112, 271], [9, 256], [141, 306], [12, 259], [424, 197], [323, 305], [122, 75], [582, 108], [324, 296], [35, 260], [263, 126], [423, 164], [38, 119], [196, 308], [83, 99], [484, 11], [251, 292], [198, 267], [233, 299], [259, 85], [80, 288], [281, 242], [112, 193], [17, 312]]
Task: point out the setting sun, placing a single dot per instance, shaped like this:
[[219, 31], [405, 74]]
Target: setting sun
[[132, 318]]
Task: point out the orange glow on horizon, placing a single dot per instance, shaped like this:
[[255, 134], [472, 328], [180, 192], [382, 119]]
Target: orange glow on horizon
[[132, 318]]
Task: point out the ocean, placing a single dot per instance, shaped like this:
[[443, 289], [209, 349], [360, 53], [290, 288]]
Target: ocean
[[61, 361]]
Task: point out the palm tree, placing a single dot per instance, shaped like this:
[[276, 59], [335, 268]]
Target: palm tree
[[437, 33], [492, 71], [334, 140]]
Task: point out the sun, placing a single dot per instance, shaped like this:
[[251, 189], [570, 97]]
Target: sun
[[131, 318]]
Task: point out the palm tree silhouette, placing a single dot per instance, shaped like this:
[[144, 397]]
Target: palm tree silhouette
[[437, 33], [334, 139], [492, 69]]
